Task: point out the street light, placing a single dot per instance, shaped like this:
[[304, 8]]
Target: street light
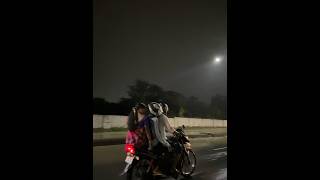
[[217, 60]]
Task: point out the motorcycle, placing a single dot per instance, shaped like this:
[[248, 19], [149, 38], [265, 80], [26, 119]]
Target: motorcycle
[[140, 164]]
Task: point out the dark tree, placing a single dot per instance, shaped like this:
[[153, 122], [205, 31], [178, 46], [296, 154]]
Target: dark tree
[[175, 101], [196, 108], [219, 106], [99, 106], [179, 105]]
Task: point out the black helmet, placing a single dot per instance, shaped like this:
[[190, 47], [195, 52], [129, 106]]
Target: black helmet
[[155, 108], [140, 105]]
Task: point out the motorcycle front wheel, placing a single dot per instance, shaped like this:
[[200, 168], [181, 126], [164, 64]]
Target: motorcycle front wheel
[[188, 163]]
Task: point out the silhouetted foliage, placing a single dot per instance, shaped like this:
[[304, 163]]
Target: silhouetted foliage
[[179, 105], [99, 106], [219, 106]]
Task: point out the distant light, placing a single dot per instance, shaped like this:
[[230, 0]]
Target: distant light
[[217, 60]]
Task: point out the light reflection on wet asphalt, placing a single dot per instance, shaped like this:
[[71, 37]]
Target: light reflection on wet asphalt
[[207, 160], [211, 165]]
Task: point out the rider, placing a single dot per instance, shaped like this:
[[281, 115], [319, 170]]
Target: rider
[[138, 125], [175, 156], [160, 124]]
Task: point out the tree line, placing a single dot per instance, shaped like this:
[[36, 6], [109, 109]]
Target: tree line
[[179, 105]]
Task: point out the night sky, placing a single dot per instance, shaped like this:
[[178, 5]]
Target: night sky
[[169, 43]]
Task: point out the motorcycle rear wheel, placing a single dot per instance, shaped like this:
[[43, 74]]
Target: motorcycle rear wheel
[[139, 171]]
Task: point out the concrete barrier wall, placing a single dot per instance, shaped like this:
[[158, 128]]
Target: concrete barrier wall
[[112, 121], [97, 121]]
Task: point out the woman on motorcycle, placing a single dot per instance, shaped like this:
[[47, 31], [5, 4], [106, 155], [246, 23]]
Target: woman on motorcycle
[[138, 125]]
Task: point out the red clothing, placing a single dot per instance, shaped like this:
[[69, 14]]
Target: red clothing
[[142, 138], [138, 137]]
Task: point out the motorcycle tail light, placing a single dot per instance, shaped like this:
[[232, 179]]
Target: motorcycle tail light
[[129, 148]]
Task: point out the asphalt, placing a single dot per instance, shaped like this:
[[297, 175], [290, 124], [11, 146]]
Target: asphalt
[[116, 138], [211, 152], [117, 141]]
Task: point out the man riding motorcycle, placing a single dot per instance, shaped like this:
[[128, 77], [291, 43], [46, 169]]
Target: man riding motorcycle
[[159, 125]]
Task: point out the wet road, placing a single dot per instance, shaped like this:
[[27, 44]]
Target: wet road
[[108, 161]]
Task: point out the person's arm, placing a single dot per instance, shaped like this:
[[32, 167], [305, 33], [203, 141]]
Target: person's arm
[[146, 127], [167, 125], [148, 133]]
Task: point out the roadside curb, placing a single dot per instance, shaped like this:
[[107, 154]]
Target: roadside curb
[[117, 141]]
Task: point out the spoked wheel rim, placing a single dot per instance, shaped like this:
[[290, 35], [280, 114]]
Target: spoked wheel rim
[[188, 163]]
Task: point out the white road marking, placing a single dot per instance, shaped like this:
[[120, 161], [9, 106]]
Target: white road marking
[[219, 148]]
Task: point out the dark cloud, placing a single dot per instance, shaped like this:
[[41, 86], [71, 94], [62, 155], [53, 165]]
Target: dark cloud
[[170, 43]]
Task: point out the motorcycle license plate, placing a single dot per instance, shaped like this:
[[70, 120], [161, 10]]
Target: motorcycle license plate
[[129, 159]]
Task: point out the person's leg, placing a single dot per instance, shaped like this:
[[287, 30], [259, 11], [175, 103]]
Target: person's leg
[[174, 158], [159, 163]]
